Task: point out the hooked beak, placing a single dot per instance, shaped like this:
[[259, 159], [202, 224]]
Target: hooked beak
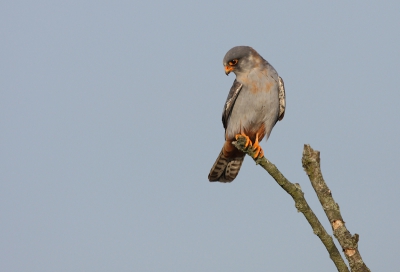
[[228, 69]]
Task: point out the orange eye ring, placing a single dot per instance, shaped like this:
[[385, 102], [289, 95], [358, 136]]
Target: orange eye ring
[[233, 62]]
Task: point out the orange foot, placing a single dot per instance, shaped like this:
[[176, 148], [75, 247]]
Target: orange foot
[[248, 142], [259, 153]]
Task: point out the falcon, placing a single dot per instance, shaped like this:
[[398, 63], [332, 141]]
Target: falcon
[[255, 103]]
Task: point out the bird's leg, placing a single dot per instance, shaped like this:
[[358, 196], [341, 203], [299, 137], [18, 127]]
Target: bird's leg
[[241, 134], [259, 153]]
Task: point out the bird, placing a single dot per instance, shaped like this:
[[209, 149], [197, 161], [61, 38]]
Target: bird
[[255, 103]]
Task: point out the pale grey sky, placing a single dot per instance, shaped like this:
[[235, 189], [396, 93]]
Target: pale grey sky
[[111, 120]]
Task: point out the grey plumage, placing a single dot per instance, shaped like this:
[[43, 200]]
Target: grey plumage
[[255, 103]]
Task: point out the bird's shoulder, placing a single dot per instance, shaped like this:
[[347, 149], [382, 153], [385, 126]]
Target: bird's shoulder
[[230, 101], [282, 99]]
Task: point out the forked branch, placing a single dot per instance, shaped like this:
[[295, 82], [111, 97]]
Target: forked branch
[[294, 190]]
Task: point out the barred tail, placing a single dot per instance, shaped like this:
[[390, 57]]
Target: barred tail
[[225, 169]]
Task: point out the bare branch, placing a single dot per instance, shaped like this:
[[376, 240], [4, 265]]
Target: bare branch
[[301, 204], [311, 164]]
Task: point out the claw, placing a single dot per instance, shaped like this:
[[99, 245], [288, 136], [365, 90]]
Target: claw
[[248, 142], [259, 153]]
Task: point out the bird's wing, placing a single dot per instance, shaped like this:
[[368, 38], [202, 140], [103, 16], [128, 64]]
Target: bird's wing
[[282, 99], [230, 101]]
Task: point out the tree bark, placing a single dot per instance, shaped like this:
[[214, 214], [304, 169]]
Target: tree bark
[[301, 204], [311, 164]]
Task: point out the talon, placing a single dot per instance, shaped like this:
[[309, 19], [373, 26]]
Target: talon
[[258, 152], [248, 142]]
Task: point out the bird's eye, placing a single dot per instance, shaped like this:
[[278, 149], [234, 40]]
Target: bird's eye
[[233, 62]]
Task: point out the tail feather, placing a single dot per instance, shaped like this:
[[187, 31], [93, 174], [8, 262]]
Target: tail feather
[[225, 169]]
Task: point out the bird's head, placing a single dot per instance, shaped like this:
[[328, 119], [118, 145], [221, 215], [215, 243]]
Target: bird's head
[[239, 59]]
